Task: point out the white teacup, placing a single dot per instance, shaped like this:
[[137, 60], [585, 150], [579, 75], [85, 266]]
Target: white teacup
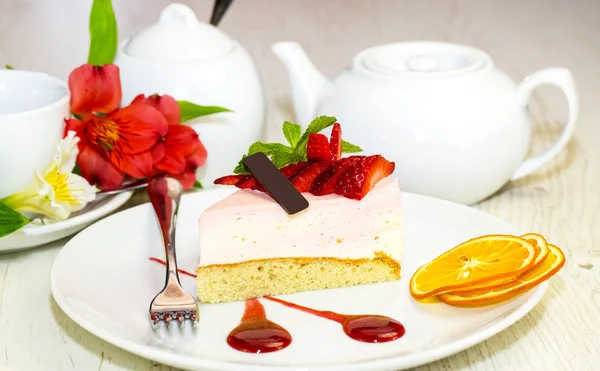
[[33, 107]]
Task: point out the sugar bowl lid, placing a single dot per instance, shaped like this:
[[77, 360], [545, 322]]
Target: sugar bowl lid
[[178, 35]]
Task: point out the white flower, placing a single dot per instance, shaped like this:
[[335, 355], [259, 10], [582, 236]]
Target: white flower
[[56, 192], [66, 153]]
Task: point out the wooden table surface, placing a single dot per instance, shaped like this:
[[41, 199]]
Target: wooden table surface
[[562, 201]]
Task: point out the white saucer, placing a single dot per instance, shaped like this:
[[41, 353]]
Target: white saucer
[[103, 280], [36, 235]]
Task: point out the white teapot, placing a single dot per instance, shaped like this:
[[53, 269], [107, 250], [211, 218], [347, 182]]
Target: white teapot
[[194, 61], [456, 126]]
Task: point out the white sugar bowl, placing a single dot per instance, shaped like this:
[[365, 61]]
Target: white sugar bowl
[[195, 61]]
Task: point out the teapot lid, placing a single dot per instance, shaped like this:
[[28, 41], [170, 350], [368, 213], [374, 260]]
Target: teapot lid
[[422, 59], [178, 35]]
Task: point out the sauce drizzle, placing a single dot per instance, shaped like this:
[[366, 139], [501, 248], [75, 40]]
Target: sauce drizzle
[[368, 328], [181, 271], [256, 334]]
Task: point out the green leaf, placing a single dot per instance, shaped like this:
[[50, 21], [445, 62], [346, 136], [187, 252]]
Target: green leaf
[[241, 168], [198, 185], [190, 110], [9, 67], [10, 220], [281, 159], [292, 133], [318, 124], [266, 148], [104, 37], [350, 148]]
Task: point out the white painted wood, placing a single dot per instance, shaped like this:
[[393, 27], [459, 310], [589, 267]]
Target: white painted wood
[[562, 201]]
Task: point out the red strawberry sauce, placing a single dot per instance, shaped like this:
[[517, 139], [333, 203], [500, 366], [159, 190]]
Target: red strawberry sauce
[[257, 334]]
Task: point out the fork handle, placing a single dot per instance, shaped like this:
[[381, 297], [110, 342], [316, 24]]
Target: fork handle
[[165, 194]]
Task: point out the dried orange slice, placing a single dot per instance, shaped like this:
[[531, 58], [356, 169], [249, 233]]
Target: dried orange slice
[[541, 247], [546, 269], [541, 243], [473, 262]]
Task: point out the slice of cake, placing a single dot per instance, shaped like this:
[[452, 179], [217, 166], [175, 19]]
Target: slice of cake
[[350, 234]]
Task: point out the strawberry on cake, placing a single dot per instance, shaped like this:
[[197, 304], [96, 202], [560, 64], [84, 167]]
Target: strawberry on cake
[[350, 234]]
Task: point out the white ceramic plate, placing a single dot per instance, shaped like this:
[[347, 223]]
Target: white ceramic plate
[[36, 235], [104, 281]]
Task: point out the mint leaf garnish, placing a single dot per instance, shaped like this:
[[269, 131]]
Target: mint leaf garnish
[[282, 155], [103, 33], [269, 149], [319, 124], [198, 185], [190, 110], [292, 133], [280, 159], [241, 168], [9, 67], [10, 220], [350, 148]]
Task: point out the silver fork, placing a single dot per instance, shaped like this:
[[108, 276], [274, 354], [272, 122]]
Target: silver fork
[[127, 187], [173, 302]]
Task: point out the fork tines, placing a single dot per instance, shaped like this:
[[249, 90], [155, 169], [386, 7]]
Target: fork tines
[[173, 303], [168, 316]]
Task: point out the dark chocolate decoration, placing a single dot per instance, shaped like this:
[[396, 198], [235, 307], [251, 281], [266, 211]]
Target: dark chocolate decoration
[[277, 185]]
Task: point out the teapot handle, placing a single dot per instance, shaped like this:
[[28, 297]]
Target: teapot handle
[[563, 79]]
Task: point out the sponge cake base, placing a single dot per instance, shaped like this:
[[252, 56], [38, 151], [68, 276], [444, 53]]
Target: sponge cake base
[[256, 278]]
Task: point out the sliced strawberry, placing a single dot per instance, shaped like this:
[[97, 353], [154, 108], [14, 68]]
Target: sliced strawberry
[[335, 142], [292, 169], [360, 178], [303, 180], [229, 179], [325, 183], [250, 182], [317, 148]]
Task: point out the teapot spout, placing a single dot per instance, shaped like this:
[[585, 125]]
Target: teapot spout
[[306, 81]]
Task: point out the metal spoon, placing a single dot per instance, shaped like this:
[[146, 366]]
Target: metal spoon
[[219, 10]]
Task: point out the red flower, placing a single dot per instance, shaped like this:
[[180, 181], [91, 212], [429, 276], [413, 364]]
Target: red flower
[[183, 154], [179, 143], [198, 157], [117, 143], [193, 161], [180, 152], [165, 104], [95, 89], [141, 140], [93, 166]]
